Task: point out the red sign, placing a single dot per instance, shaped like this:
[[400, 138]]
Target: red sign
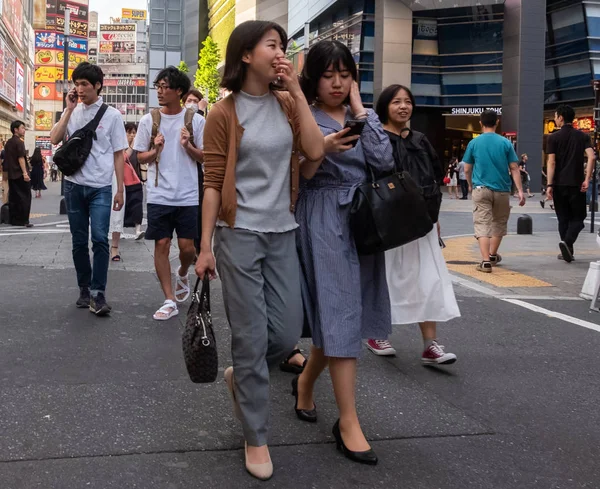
[[585, 124]]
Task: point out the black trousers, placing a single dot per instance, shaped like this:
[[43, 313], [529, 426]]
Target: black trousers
[[464, 186], [19, 201], [569, 204]]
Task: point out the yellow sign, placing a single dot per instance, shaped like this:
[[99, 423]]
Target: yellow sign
[[128, 13], [49, 74], [47, 57], [43, 120]]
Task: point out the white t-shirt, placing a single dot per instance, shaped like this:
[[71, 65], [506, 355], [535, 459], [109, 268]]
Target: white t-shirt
[[177, 172], [98, 169]]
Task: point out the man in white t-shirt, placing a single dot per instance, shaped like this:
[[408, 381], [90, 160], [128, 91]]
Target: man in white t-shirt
[[172, 195], [88, 192]]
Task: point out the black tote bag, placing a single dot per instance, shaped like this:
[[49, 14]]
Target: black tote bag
[[388, 213]]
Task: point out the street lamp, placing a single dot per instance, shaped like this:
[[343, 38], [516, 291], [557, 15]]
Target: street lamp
[[64, 87]]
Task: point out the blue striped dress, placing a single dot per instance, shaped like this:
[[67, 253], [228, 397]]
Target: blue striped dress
[[345, 295]]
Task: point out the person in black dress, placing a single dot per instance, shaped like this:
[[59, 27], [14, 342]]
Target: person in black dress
[[37, 173]]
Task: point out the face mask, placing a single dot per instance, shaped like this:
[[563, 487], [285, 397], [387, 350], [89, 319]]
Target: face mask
[[192, 105]]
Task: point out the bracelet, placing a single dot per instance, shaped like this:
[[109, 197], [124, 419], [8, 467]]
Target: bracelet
[[361, 115], [550, 185]]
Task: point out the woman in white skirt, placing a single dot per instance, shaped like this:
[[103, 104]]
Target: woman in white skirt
[[419, 283], [117, 218], [453, 176]]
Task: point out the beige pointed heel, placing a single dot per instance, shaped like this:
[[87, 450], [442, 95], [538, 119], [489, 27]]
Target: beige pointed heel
[[228, 374], [262, 472]]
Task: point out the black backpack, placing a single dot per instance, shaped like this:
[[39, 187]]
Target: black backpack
[[73, 153], [415, 155]]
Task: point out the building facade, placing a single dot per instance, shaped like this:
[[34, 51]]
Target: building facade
[[122, 53], [16, 64]]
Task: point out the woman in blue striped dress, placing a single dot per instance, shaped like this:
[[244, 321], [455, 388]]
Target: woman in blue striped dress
[[345, 295]]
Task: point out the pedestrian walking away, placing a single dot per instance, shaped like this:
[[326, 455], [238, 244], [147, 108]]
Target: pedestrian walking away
[[419, 283], [19, 181], [525, 179], [254, 139], [462, 180], [335, 278], [88, 192], [37, 173], [170, 141], [134, 188], [567, 182], [453, 176], [489, 159]]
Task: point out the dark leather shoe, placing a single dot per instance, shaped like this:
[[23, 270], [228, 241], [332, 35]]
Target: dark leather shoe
[[309, 415], [369, 457]]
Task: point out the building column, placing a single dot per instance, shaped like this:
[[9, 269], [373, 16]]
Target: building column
[[523, 80], [393, 44]]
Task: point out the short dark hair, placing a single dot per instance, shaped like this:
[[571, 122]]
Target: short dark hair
[[88, 71], [14, 125], [319, 58], [243, 39], [489, 118], [194, 92], [385, 99], [566, 112], [130, 126], [177, 79]]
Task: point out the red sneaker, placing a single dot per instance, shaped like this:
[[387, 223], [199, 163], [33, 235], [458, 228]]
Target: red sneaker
[[435, 355], [381, 347]]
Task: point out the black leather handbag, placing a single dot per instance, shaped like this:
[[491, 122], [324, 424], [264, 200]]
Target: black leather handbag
[[388, 213], [199, 344]]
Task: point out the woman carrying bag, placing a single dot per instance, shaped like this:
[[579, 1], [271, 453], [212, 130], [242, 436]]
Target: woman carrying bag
[[252, 142], [419, 284], [345, 295]]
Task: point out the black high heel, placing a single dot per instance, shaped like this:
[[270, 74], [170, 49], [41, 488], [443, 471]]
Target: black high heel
[[309, 415], [369, 457]]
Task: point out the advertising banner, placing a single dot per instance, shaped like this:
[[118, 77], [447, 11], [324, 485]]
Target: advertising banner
[[43, 120], [55, 17], [49, 74], [45, 145], [12, 15], [48, 57], [52, 40], [20, 87], [39, 14], [46, 91], [128, 13], [124, 82], [8, 79], [117, 38]]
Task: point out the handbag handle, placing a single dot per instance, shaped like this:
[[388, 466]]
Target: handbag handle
[[204, 292]]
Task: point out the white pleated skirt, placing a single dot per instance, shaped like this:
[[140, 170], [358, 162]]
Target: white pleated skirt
[[419, 283], [116, 218]]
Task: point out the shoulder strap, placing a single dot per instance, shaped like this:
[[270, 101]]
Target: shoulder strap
[[93, 124], [155, 113], [189, 125]]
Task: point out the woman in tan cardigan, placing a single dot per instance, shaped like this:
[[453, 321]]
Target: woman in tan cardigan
[[252, 145]]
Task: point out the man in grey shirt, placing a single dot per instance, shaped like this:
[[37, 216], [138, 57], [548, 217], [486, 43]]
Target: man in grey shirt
[[462, 178]]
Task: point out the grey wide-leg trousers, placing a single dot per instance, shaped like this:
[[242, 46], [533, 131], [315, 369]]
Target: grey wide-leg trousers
[[260, 276]]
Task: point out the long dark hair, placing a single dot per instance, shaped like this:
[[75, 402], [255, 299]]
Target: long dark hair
[[385, 99], [36, 157], [320, 57], [244, 39]]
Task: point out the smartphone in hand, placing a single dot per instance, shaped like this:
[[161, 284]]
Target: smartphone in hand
[[356, 128], [73, 95]]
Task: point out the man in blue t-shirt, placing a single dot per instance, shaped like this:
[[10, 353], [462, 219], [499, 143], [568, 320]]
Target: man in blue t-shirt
[[490, 160]]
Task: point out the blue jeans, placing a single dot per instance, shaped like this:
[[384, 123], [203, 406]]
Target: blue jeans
[[88, 206]]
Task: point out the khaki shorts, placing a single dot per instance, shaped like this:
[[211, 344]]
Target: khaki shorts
[[491, 211]]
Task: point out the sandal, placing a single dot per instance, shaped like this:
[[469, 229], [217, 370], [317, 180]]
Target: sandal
[[116, 257], [286, 366], [169, 309], [182, 286]]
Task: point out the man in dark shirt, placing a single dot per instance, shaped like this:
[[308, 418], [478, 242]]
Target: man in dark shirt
[[19, 183], [567, 184]]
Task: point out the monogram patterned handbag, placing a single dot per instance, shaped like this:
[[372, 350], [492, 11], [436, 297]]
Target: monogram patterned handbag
[[198, 341]]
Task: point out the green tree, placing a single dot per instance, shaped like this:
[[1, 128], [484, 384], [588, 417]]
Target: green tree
[[207, 78], [183, 67]]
